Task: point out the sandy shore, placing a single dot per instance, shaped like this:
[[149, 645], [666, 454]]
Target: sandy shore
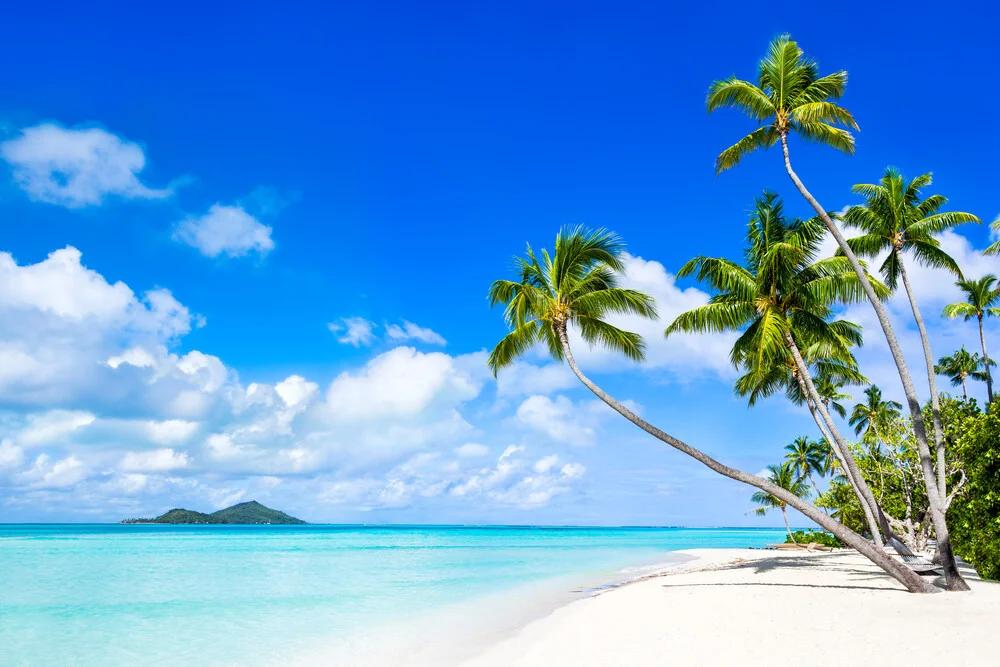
[[752, 607]]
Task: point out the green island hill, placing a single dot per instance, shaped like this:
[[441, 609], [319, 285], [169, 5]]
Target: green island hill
[[244, 513]]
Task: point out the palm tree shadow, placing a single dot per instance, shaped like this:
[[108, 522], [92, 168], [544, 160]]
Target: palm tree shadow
[[856, 573]]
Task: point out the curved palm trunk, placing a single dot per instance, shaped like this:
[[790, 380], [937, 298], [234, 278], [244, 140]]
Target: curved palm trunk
[[986, 362], [935, 500], [784, 515], [931, 378], [873, 514], [904, 575]]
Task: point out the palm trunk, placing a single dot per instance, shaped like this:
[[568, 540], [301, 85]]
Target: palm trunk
[[935, 500], [865, 508], [931, 377], [904, 575], [965, 391], [784, 515], [873, 514], [986, 362]]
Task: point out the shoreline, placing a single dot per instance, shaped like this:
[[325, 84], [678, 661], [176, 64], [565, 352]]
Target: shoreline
[[828, 608]]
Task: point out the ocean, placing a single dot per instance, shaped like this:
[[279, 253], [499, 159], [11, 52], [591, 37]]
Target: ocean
[[110, 595]]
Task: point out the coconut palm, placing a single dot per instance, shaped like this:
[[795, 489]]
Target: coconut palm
[[981, 297], [784, 477], [896, 219], [870, 418], [828, 387], [781, 302], [959, 366], [790, 96], [806, 457], [577, 288]]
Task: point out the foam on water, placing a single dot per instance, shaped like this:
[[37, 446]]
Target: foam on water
[[266, 595]]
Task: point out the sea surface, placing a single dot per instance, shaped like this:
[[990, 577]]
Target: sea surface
[[109, 595]]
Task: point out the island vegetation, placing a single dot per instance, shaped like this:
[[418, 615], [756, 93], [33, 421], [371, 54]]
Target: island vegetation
[[250, 512], [910, 473]]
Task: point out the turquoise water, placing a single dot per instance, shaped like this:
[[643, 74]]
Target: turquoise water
[[253, 595]]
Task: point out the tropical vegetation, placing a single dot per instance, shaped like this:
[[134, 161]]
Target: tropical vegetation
[[784, 302]]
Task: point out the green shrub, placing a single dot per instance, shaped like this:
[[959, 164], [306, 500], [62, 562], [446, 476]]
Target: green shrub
[[807, 536], [974, 516]]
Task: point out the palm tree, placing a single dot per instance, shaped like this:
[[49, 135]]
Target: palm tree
[[896, 219], [806, 457], [784, 477], [828, 388], [577, 287], [959, 366], [791, 96], [980, 297], [870, 418], [781, 302]]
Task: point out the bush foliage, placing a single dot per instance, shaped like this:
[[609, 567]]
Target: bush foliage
[[819, 537]]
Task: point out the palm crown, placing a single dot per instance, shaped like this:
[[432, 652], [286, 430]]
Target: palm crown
[[960, 366], [874, 414], [980, 295], [894, 218], [806, 456], [576, 285], [782, 476], [782, 289], [789, 96]]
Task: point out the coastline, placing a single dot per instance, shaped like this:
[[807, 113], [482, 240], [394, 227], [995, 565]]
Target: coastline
[[755, 607]]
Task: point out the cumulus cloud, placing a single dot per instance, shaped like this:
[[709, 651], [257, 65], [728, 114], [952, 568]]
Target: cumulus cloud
[[134, 426], [400, 382], [157, 460], [410, 331], [225, 230], [683, 355], [77, 167], [356, 331], [561, 419]]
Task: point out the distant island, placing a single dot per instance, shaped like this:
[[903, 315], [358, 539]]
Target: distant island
[[244, 513]]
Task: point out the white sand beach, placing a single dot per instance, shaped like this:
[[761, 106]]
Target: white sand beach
[[753, 607]]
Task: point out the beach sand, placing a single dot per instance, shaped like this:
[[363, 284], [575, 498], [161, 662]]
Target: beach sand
[[753, 607]]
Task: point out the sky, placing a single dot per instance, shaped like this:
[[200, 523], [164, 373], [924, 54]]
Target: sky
[[246, 247]]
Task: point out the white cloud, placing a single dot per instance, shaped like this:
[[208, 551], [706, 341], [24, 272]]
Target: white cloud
[[410, 331], [46, 473], [525, 378], [157, 460], [356, 331], [400, 382], [295, 390], [53, 426], [10, 454], [77, 167], [471, 450], [170, 431], [560, 419], [684, 355], [225, 230]]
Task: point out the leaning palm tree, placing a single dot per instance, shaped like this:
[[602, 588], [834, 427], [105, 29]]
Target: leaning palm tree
[[780, 300], [981, 298], [870, 418], [784, 477], [789, 97], [806, 457], [959, 366], [897, 220], [577, 288]]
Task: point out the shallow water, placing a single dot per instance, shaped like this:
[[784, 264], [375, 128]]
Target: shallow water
[[255, 595]]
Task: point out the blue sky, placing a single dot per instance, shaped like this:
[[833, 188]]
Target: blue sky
[[222, 184]]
